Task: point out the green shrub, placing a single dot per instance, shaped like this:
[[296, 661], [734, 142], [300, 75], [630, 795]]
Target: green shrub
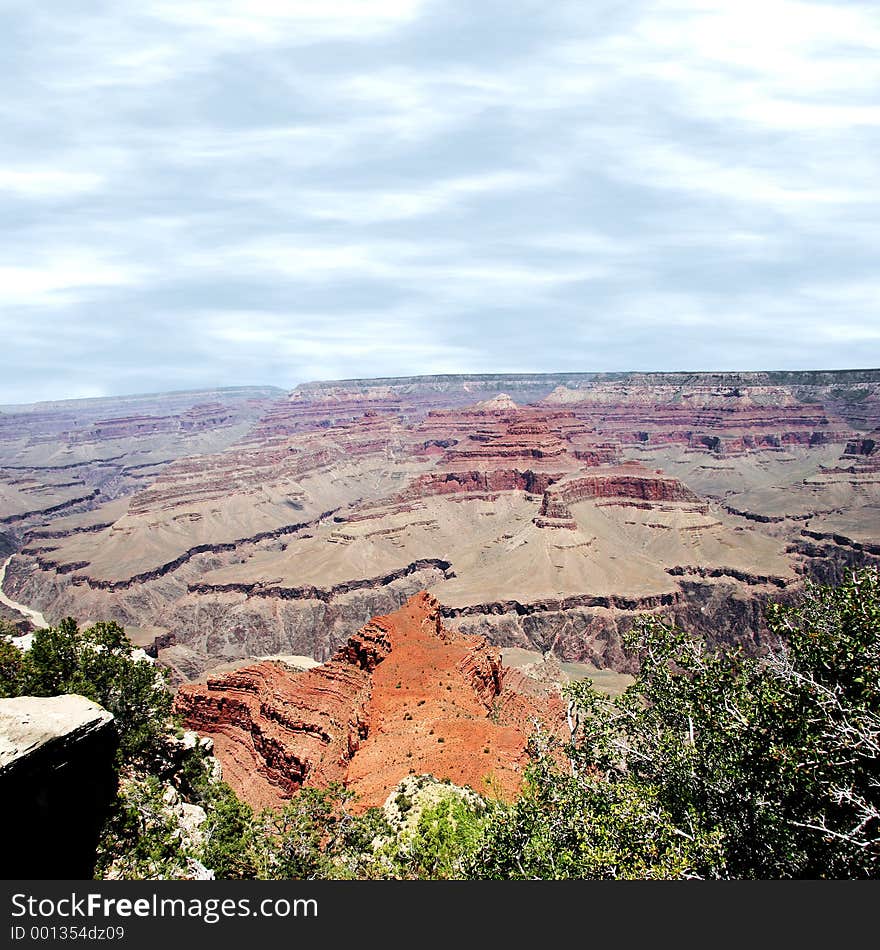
[[96, 663], [11, 669], [717, 764]]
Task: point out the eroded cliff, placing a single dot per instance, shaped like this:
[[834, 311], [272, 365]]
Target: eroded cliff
[[405, 695], [536, 509]]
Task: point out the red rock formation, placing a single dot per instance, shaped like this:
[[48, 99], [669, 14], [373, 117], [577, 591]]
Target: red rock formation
[[862, 454], [727, 420], [630, 482], [488, 449], [858, 404], [864, 447], [623, 482], [404, 695], [195, 419], [457, 482]]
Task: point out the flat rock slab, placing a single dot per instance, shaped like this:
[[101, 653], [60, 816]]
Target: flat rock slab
[[28, 723]]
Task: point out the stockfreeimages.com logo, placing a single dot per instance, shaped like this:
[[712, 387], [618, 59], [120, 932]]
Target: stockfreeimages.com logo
[[210, 910]]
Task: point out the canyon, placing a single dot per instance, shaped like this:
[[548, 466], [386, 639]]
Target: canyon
[[543, 512]]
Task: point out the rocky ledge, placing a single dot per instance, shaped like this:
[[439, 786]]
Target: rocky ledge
[[57, 776]]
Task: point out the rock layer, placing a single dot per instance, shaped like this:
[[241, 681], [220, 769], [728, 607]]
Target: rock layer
[[537, 509], [403, 696]]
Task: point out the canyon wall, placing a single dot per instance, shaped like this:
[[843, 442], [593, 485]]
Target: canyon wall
[[542, 511]]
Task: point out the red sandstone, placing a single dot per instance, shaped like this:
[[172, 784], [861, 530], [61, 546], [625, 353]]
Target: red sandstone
[[403, 696]]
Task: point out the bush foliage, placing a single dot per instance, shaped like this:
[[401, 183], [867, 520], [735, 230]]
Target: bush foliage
[[717, 764], [96, 663]]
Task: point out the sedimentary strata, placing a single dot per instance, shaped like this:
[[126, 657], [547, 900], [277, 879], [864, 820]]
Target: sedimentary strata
[[403, 696], [539, 510]]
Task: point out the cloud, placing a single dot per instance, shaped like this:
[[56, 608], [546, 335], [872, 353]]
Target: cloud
[[66, 276], [207, 192], [320, 347], [290, 21], [47, 184], [362, 206]]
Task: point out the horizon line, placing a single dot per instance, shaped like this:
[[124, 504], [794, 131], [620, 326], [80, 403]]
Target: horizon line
[[587, 375]]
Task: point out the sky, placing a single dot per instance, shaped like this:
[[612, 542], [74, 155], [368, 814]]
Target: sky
[[231, 192]]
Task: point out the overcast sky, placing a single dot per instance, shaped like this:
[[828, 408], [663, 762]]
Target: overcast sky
[[223, 192]]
